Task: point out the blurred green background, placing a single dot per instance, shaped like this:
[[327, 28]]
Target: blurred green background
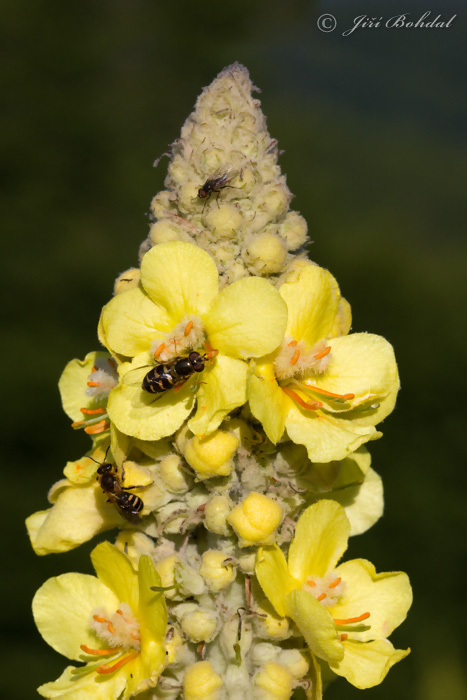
[[375, 151]]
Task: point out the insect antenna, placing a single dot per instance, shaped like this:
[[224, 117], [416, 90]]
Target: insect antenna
[[105, 457]]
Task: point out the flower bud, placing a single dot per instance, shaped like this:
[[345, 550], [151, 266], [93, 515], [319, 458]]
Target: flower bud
[[215, 571], [134, 544], [160, 203], [268, 624], [173, 475], [225, 220], [201, 682], [215, 515], [200, 626], [295, 660], [127, 280], [166, 570], [256, 519], [294, 229], [276, 200], [267, 252], [273, 682], [163, 231], [211, 456]]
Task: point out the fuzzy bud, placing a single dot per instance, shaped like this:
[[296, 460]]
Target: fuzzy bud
[[296, 661], [200, 625], [294, 230], [164, 231], [269, 625], [273, 682], [267, 252], [201, 682], [173, 475], [216, 572], [224, 220], [127, 280], [211, 456], [215, 515], [256, 520]]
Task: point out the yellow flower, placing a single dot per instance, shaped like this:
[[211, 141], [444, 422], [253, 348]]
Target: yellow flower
[[325, 388], [114, 623], [176, 309], [344, 613]]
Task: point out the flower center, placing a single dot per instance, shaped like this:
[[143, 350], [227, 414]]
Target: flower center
[[101, 381], [186, 335], [121, 632]]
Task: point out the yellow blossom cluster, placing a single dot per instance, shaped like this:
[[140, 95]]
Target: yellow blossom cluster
[[229, 416]]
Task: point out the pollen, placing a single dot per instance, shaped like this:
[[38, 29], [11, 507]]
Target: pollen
[[296, 359], [102, 380], [326, 590], [187, 335], [119, 629]]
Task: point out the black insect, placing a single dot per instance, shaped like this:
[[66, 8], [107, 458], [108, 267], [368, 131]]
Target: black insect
[[217, 182], [129, 505], [173, 373]]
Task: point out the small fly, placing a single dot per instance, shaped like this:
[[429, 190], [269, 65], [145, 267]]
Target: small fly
[[217, 182]]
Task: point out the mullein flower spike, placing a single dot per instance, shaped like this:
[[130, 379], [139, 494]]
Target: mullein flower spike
[[228, 416]]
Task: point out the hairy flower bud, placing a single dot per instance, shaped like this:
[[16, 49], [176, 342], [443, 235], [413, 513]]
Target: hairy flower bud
[[256, 519]]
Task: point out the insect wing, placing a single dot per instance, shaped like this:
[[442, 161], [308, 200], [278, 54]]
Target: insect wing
[[134, 377], [133, 518], [222, 176]]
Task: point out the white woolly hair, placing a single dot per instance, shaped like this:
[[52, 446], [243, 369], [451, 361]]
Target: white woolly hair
[[317, 586], [177, 343], [124, 627], [305, 364], [106, 376]]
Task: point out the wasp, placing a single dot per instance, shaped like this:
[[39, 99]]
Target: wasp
[[217, 182], [173, 373], [129, 505]]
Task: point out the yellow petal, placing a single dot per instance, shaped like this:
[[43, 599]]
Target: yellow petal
[[221, 390], [312, 301], [316, 625], [326, 436], [76, 517], [180, 277], [386, 596], [147, 416], [362, 364], [343, 319], [268, 403], [274, 577], [363, 503], [63, 608], [73, 384], [247, 319], [367, 664], [365, 415], [132, 322], [73, 686], [316, 690], [152, 611], [320, 540], [114, 569]]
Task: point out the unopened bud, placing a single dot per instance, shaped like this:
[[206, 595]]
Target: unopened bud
[[256, 519], [201, 682], [211, 456]]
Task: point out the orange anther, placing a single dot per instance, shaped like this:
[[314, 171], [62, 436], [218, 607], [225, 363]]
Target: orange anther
[[111, 628], [304, 404], [310, 582], [97, 428], [295, 357], [343, 637], [324, 392], [159, 350], [323, 353], [94, 368], [348, 620], [188, 328], [99, 619], [99, 652], [135, 636], [119, 664], [335, 583], [321, 597], [293, 343], [93, 383], [92, 411]]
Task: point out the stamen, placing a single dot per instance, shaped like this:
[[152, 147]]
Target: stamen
[[293, 343], [188, 328], [93, 383], [98, 428], [321, 597], [92, 411], [99, 619], [310, 582], [348, 620], [343, 637], [318, 390], [295, 357], [159, 350], [94, 369], [304, 404], [335, 583], [119, 664], [323, 353], [99, 652], [111, 628]]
